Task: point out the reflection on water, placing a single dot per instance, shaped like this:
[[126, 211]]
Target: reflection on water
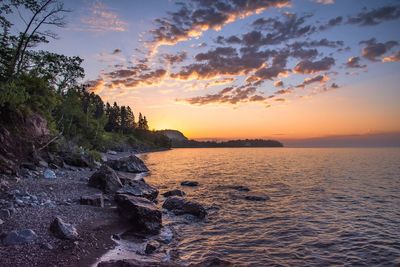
[[326, 207]]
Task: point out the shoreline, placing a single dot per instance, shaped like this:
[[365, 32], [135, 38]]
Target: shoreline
[[95, 225]]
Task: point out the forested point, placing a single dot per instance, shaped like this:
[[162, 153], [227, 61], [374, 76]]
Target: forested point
[[47, 90]]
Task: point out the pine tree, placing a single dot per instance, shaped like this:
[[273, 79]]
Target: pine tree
[[145, 125]]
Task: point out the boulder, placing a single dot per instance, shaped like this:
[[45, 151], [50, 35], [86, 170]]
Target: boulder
[[96, 200], [189, 183], [181, 206], [106, 179], [49, 174], [129, 164], [20, 237], [141, 212], [175, 192], [139, 189], [63, 230], [256, 198]]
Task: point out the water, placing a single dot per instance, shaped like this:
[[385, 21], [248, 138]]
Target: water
[[326, 207]]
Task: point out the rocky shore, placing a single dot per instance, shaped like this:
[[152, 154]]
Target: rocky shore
[[79, 214]]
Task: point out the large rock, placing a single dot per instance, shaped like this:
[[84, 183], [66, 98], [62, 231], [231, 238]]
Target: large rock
[[129, 164], [175, 192], [106, 179], [63, 230], [181, 206], [139, 189], [141, 212], [20, 237]]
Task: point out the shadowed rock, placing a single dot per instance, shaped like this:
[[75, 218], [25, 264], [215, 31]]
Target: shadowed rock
[[130, 164], [181, 206], [63, 230], [139, 189], [175, 192], [105, 179], [141, 212], [257, 198], [20, 237], [189, 183]]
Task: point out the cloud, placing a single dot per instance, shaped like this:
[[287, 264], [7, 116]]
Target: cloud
[[310, 67], [272, 31], [102, 19], [334, 86], [229, 95], [173, 59], [319, 78], [331, 23], [278, 83], [116, 51], [373, 50], [393, 58], [354, 62], [375, 16], [325, 2], [222, 61], [284, 91], [193, 18]]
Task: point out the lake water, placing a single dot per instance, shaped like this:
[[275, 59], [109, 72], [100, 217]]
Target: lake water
[[327, 206]]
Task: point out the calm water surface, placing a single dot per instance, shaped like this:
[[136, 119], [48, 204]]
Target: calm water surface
[[326, 207]]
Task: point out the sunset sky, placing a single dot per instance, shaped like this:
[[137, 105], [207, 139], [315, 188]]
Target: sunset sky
[[244, 69]]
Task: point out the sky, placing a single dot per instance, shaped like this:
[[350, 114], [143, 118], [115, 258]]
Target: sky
[[223, 69]]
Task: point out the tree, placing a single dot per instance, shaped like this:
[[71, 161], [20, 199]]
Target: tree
[[145, 125], [40, 13]]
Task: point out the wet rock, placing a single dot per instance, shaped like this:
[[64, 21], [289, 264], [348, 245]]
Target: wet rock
[[129, 164], [106, 179], [141, 212], [20, 237], [175, 192], [136, 263], [49, 174], [139, 189], [63, 230], [151, 246], [96, 200], [181, 206], [189, 183], [257, 198]]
